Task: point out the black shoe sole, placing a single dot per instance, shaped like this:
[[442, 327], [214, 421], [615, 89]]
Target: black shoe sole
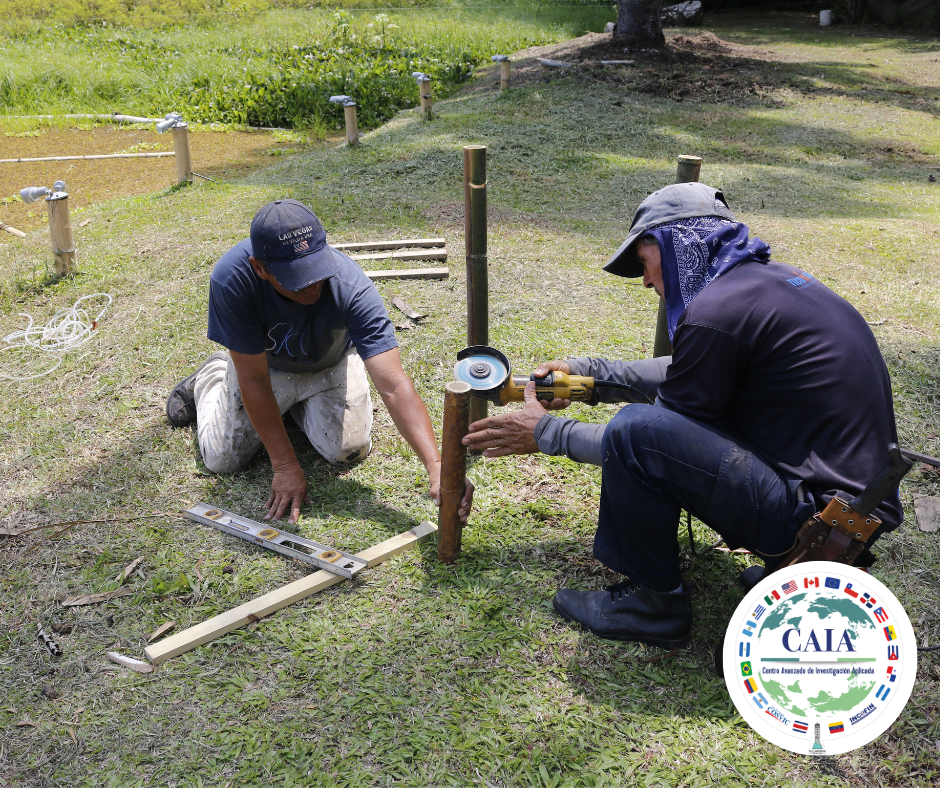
[[189, 421], [658, 642]]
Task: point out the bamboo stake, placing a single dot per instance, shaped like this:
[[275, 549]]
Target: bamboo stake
[[90, 156], [12, 230], [474, 184], [60, 232], [352, 125], [503, 61], [688, 170], [453, 468], [424, 88], [184, 158]]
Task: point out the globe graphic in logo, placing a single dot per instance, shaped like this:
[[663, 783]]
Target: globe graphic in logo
[[819, 658], [825, 627]]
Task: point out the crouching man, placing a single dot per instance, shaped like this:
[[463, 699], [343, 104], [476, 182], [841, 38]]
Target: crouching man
[[776, 399], [302, 324]]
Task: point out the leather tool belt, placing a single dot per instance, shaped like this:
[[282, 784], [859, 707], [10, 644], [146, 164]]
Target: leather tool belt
[[838, 533]]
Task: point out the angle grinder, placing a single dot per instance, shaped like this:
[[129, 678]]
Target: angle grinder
[[489, 374]]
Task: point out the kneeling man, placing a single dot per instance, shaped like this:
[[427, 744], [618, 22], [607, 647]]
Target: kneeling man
[[302, 324], [776, 399]]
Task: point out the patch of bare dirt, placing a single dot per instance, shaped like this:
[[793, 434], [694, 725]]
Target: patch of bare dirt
[[701, 67], [216, 154]]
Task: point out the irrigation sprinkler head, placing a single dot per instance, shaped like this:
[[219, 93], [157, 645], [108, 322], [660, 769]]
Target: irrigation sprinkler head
[[346, 101], [33, 194], [500, 58], [171, 120], [421, 77]]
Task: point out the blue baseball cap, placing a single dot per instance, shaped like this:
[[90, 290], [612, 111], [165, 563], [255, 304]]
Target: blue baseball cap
[[289, 239], [674, 202]]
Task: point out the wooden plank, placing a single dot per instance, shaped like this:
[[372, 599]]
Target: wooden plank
[[376, 245], [429, 254], [268, 603], [409, 273]]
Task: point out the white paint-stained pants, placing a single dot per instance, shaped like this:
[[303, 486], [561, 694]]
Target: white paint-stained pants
[[333, 407]]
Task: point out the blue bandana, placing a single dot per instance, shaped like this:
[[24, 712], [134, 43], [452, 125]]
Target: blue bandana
[[695, 252]]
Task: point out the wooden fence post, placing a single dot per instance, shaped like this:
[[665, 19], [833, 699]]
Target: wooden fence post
[[688, 170], [457, 400], [184, 157], [352, 124]]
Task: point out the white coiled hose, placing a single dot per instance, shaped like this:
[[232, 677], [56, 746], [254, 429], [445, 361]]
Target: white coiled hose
[[66, 330]]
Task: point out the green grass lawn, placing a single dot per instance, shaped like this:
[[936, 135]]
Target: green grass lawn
[[419, 674]]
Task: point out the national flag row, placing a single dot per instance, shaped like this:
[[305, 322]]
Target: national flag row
[[865, 599]]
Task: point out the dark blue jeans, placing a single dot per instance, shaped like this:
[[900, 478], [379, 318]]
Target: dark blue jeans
[[657, 463]]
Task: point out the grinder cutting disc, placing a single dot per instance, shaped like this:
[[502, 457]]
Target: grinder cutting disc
[[481, 367]]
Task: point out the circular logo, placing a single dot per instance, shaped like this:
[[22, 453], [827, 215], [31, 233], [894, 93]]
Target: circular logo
[[820, 658]]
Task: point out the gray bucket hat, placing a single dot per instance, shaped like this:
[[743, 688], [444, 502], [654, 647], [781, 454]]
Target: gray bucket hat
[[677, 201]]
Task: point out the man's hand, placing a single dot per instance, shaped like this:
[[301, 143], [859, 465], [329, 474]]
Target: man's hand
[[288, 493], [553, 366], [434, 476], [511, 433]]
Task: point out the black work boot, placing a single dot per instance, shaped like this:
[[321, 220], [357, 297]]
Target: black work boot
[[629, 611], [181, 404], [751, 576]]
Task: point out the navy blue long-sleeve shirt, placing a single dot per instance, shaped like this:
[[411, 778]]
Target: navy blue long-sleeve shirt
[[773, 357]]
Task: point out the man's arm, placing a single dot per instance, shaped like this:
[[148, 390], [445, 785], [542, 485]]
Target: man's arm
[[411, 418], [288, 487]]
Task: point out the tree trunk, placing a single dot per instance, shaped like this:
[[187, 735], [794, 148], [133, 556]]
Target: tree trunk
[[638, 22]]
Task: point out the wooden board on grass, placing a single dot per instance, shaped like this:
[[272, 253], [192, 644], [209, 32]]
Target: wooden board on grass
[[425, 254], [410, 273], [366, 246], [268, 603]]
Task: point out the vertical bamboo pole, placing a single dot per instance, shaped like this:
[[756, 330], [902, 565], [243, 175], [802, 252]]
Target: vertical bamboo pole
[[478, 298], [184, 157], [424, 88], [352, 124], [60, 232], [688, 170], [453, 468], [504, 75]]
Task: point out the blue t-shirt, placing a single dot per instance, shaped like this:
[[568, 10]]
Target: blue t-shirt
[[247, 315]]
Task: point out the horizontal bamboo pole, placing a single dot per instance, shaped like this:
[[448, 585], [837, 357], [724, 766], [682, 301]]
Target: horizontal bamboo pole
[[427, 254], [96, 156], [409, 273], [402, 244]]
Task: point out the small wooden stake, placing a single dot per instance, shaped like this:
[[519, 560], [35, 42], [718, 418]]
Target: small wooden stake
[[184, 157], [424, 88], [504, 75], [478, 298], [352, 124], [60, 231], [12, 230], [688, 170], [453, 468]]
